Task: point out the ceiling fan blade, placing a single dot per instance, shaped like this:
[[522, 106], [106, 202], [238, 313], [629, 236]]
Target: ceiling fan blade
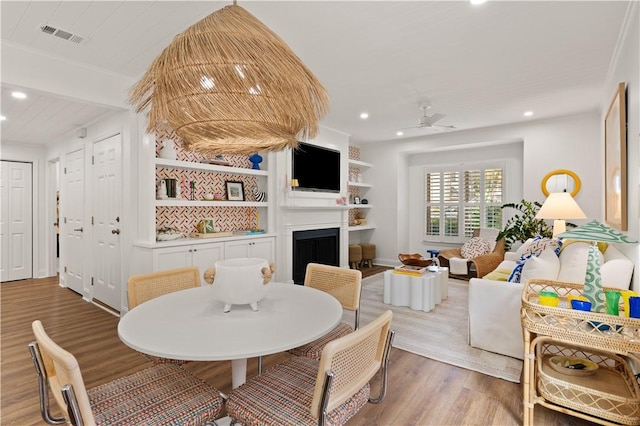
[[428, 120]]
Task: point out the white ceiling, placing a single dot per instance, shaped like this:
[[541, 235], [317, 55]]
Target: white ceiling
[[480, 65]]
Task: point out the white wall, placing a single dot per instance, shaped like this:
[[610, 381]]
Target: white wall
[[571, 142]]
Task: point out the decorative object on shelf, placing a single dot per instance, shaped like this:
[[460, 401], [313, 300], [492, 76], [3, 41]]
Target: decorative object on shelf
[[595, 231], [294, 184], [232, 51], [209, 196], [207, 226], [240, 281], [168, 234], [161, 192], [561, 180], [260, 196], [171, 185], [235, 191], [560, 206], [168, 150], [192, 187], [360, 219], [615, 161], [356, 200], [218, 160], [364, 201], [255, 159]]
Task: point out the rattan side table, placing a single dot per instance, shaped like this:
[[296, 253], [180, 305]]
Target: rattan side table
[[610, 395]]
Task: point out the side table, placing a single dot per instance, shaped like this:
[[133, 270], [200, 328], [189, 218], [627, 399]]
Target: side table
[[420, 293]]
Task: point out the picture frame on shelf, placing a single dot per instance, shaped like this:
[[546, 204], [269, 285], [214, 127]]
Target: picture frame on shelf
[[235, 190], [615, 159]]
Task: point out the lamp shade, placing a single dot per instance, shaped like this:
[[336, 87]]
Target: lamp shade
[[229, 85], [560, 205]]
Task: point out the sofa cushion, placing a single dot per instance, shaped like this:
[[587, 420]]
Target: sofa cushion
[[475, 247], [499, 274], [544, 267], [573, 262]]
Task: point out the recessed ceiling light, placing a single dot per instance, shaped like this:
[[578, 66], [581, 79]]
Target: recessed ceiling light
[[19, 95], [2, 118], [528, 113], [477, 1], [364, 115], [400, 133]]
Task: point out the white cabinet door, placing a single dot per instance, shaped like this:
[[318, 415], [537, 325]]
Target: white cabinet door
[[206, 255], [172, 258], [262, 248], [236, 249]]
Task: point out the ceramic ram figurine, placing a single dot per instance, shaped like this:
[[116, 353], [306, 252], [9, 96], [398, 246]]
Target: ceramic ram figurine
[[240, 281]]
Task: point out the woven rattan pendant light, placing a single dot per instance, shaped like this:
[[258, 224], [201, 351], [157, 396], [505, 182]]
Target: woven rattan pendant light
[[229, 85]]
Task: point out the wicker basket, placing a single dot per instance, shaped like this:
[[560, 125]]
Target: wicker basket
[[612, 393], [589, 329]]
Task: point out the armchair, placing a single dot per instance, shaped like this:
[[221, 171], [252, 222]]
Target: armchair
[[476, 267]]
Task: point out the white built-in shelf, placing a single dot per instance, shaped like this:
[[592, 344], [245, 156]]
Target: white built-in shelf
[[360, 184], [359, 206], [204, 203], [189, 165], [358, 163], [361, 228]]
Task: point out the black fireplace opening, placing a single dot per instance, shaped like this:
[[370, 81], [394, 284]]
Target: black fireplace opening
[[314, 246]]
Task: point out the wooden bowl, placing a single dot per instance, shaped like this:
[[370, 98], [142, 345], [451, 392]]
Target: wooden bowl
[[414, 259]]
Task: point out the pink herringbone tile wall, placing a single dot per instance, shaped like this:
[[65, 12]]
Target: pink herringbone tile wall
[[354, 154], [185, 219]]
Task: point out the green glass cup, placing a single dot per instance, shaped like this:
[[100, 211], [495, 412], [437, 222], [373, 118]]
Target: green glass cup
[[613, 300]]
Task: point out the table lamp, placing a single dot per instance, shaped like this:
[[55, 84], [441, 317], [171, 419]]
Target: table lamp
[[595, 232], [560, 206], [294, 184]]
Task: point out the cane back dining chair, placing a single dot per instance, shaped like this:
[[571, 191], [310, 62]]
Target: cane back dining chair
[[307, 391], [144, 287], [158, 395], [343, 284]]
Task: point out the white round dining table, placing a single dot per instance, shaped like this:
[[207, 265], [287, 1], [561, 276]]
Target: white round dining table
[[191, 325]]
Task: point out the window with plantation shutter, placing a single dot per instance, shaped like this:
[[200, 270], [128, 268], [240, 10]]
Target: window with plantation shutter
[[460, 199]]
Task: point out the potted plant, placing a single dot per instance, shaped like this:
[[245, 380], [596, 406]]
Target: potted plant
[[524, 225]]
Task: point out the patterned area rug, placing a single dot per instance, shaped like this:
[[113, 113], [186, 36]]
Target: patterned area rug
[[440, 335]]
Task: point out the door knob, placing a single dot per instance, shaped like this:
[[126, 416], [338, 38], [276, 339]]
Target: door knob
[[78, 229], [115, 231]]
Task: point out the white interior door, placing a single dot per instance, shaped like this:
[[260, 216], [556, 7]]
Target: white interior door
[[107, 195], [73, 223], [16, 225]]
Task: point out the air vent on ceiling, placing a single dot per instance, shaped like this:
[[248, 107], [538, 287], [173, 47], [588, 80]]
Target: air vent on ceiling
[[65, 35]]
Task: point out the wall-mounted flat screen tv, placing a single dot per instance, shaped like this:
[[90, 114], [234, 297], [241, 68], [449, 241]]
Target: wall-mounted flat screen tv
[[316, 168]]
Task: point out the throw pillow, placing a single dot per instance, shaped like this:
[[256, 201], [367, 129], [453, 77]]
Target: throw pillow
[[475, 247], [517, 271], [523, 247], [543, 267], [573, 263], [540, 244]]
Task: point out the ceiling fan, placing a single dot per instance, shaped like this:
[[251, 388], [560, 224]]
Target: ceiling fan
[[428, 121]]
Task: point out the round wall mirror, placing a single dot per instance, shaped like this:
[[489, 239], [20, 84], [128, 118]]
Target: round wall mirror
[[561, 181]]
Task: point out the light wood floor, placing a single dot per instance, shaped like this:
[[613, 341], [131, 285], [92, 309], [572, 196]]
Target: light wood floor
[[421, 391]]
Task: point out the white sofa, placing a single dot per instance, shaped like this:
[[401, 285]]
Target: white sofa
[[494, 306]]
